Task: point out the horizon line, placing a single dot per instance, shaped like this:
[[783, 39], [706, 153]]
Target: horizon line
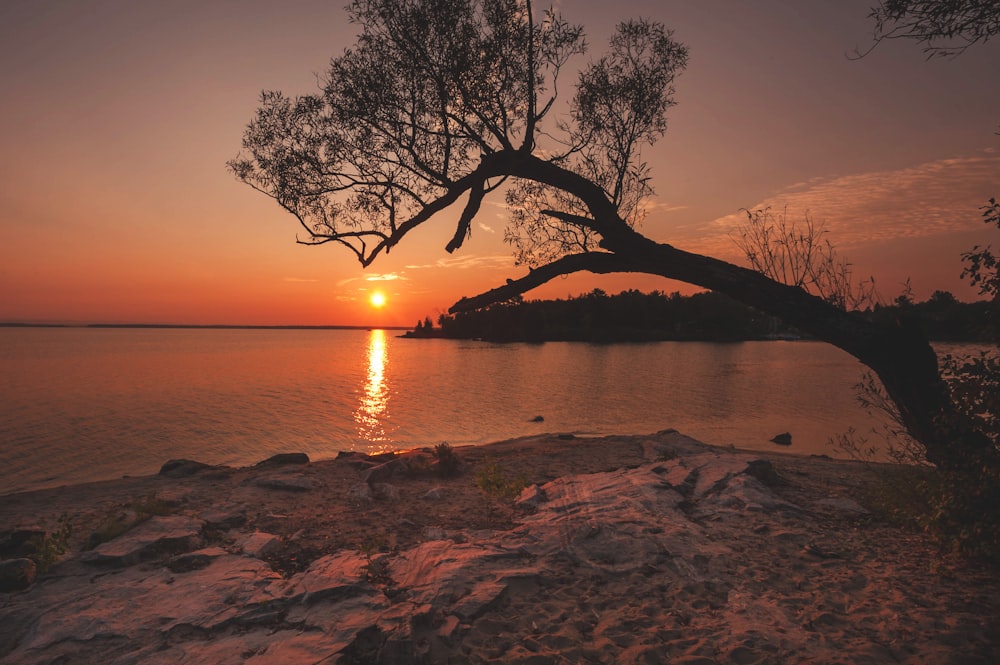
[[217, 326]]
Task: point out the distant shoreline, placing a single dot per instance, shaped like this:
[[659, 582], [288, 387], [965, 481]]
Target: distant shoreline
[[194, 326]]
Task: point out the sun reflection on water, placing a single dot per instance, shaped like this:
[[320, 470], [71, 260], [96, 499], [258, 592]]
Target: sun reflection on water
[[372, 410]]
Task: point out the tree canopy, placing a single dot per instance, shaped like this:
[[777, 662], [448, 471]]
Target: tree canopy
[[943, 27], [443, 99], [441, 103]]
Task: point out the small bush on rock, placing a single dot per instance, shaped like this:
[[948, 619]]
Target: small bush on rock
[[448, 463], [51, 546], [497, 486]]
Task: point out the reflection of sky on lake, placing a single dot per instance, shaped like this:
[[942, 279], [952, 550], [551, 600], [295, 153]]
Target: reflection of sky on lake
[[372, 409]]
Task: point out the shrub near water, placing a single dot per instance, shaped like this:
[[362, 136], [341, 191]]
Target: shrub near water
[[50, 547], [448, 463], [497, 486]]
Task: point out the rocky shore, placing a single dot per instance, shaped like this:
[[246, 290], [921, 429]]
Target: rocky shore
[[639, 549]]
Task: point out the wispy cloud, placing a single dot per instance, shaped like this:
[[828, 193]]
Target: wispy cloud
[[375, 277], [484, 227], [462, 262], [929, 199], [301, 280], [652, 205]]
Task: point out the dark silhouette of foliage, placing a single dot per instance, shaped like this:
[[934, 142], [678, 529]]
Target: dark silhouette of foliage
[[944, 27], [630, 316], [633, 316], [982, 264]]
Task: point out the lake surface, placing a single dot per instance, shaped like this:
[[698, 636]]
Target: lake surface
[[81, 404]]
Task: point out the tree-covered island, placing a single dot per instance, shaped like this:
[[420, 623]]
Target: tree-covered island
[[634, 316]]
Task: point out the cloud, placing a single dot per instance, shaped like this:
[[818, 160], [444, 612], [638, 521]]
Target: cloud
[[375, 277], [933, 198], [502, 261], [488, 229], [661, 207], [301, 280]]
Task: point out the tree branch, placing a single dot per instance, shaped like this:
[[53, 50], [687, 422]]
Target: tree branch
[[476, 195], [595, 262]]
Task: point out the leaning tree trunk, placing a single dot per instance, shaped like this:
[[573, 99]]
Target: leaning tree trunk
[[899, 354]]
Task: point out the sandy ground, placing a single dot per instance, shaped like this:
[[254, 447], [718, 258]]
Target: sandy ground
[[821, 581]]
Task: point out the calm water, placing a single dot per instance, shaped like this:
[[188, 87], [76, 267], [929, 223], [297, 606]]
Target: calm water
[[81, 404]]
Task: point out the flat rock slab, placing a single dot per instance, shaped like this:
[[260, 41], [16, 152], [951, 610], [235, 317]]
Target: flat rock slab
[[157, 535]]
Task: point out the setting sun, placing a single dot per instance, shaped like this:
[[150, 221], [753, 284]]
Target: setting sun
[[377, 300]]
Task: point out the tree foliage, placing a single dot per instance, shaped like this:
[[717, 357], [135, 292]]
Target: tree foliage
[[983, 266], [406, 118], [943, 27]]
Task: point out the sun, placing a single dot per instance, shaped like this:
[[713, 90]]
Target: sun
[[377, 300]]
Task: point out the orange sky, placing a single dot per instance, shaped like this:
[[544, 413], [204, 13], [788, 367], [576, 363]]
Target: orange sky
[[118, 117]]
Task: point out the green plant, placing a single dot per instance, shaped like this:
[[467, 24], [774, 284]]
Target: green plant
[[448, 463], [497, 486], [51, 546], [375, 570]]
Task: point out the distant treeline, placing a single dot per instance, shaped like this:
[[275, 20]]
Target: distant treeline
[[633, 316]]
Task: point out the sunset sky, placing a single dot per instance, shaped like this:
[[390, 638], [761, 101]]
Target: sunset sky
[[117, 118]]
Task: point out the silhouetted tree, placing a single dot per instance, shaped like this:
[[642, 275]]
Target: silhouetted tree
[[441, 102], [944, 27]]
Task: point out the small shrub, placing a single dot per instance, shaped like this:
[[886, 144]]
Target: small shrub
[[498, 488], [448, 463], [51, 546], [375, 569]]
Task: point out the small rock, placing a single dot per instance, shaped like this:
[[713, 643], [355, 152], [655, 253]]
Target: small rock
[[16, 574], [224, 518], [181, 468], [260, 545], [360, 492], [764, 471], [530, 497], [783, 439], [449, 628], [287, 483], [282, 459], [386, 471], [844, 504], [482, 598], [433, 533], [385, 491], [18, 542], [434, 494], [538, 419], [184, 563], [354, 459]]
